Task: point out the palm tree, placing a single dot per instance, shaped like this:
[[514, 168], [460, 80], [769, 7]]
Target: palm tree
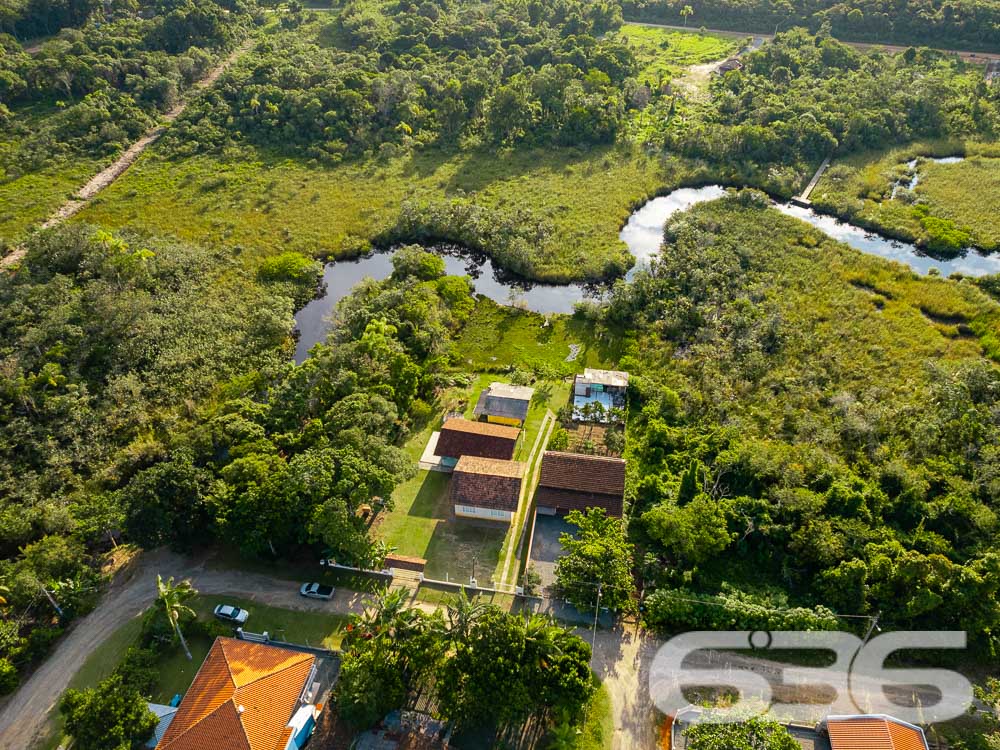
[[463, 613], [686, 11], [172, 597]]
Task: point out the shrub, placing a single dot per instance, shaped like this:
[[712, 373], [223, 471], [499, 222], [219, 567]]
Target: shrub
[[8, 677]]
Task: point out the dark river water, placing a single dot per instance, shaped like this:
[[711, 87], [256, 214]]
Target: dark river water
[[643, 234]]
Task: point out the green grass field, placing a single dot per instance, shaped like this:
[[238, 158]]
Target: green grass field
[[663, 54], [496, 338], [30, 193], [966, 193]]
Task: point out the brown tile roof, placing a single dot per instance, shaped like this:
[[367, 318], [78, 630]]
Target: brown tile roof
[[487, 483], [573, 481], [873, 733], [481, 428], [581, 473], [461, 437], [241, 699], [491, 466]]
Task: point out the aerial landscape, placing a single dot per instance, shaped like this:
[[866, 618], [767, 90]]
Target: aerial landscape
[[515, 374]]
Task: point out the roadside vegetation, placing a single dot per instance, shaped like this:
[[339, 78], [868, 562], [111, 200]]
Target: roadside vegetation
[[952, 207]]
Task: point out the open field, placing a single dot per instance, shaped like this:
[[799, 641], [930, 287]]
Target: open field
[[966, 193], [663, 54], [29, 193], [261, 203], [497, 338]]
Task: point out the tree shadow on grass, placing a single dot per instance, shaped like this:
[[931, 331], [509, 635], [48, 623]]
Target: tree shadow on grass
[[432, 497]]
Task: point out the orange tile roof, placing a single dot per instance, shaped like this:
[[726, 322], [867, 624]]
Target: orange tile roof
[[873, 733], [241, 699]]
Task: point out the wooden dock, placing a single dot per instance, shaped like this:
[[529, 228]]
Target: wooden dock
[[803, 200]]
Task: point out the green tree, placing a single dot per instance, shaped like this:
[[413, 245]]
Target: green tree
[[111, 716], [598, 557], [693, 533], [754, 734], [686, 12], [172, 597]]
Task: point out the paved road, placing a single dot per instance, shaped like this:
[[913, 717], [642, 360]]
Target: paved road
[[969, 56]]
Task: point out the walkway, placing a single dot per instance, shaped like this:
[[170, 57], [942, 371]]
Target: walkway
[[117, 168], [803, 200]]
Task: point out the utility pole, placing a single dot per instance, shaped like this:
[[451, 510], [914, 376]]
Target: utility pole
[[872, 626], [51, 599], [597, 611]]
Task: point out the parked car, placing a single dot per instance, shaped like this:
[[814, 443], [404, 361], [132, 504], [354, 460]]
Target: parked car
[[316, 591], [232, 614]]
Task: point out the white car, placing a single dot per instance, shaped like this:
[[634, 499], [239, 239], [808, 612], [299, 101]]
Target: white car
[[232, 614], [316, 591]]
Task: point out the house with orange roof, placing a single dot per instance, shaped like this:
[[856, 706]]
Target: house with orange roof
[[247, 696], [872, 732]]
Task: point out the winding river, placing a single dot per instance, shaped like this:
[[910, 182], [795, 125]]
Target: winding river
[[643, 234]]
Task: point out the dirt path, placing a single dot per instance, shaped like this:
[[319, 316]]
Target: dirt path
[[117, 168]]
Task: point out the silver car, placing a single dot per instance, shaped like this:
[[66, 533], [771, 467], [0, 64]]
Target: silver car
[[232, 614], [316, 591]]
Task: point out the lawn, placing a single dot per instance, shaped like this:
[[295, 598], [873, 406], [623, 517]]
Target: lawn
[[497, 338], [967, 193], [318, 629], [421, 524]]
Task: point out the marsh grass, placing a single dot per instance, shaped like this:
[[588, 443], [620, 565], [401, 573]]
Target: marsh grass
[[966, 193]]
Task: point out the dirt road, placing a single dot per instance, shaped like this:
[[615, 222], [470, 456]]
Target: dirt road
[[24, 717], [117, 168]]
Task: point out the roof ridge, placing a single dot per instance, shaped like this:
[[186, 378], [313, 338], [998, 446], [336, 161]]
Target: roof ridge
[[302, 657], [218, 643]]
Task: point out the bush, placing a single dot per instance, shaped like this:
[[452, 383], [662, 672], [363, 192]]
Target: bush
[[559, 440], [139, 670], [39, 642], [8, 677]]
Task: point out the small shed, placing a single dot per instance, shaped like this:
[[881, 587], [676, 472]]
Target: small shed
[[731, 64], [486, 488], [463, 437], [575, 481], [503, 403]]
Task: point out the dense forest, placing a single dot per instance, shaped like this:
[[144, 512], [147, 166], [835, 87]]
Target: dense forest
[[967, 24], [443, 74], [812, 428], [137, 399]]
